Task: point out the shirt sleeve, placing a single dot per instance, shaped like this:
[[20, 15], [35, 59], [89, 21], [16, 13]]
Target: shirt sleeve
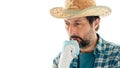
[[117, 65], [56, 61]]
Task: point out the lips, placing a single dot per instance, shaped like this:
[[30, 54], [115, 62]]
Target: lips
[[82, 43], [77, 39]]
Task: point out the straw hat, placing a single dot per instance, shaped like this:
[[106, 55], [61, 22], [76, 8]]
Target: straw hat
[[79, 8]]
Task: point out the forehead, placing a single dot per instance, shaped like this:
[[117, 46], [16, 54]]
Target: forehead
[[76, 18]]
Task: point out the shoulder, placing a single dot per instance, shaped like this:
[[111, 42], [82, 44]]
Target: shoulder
[[104, 45], [110, 46], [56, 61], [111, 53], [112, 49]]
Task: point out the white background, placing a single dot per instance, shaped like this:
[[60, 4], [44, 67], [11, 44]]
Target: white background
[[30, 37]]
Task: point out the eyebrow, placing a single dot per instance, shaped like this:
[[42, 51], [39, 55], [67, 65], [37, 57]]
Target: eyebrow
[[66, 21], [77, 21], [73, 21]]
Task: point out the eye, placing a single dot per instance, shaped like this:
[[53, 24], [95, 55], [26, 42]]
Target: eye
[[66, 23], [77, 22]]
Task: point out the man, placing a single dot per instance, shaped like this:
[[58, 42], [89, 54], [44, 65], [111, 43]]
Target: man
[[82, 20]]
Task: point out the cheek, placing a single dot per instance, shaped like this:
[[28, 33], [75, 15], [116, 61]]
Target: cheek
[[67, 30], [83, 31], [87, 33], [90, 34]]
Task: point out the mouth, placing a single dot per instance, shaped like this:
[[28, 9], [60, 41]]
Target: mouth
[[77, 39], [82, 43]]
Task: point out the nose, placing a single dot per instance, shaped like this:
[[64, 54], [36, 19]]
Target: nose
[[72, 30]]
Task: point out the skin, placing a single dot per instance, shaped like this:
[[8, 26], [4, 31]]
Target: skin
[[80, 26]]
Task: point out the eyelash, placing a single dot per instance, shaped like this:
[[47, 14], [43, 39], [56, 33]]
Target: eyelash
[[67, 23], [77, 23]]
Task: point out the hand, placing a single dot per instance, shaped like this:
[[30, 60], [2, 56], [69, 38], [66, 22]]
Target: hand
[[70, 51]]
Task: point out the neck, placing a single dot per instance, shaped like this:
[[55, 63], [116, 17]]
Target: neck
[[91, 46]]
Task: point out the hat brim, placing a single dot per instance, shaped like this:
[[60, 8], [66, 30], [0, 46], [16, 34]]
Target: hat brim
[[60, 12]]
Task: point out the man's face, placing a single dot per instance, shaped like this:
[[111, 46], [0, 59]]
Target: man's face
[[79, 29]]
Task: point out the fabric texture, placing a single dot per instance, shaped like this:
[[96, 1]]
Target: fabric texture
[[107, 55], [80, 8], [86, 59]]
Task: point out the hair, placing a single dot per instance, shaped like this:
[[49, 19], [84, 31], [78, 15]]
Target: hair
[[91, 19]]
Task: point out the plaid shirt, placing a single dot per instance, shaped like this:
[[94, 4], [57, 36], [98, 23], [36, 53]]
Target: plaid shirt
[[107, 55]]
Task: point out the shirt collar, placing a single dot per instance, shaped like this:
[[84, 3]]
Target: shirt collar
[[100, 47]]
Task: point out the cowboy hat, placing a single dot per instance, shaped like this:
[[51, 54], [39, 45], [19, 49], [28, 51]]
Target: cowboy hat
[[80, 8]]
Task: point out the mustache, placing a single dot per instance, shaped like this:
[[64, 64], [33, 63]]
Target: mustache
[[74, 36], [82, 43]]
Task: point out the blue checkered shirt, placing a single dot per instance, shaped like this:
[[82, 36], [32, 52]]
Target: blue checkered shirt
[[107, 55]]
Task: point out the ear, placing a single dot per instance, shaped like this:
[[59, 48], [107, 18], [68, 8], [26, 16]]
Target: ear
[[96, 23]]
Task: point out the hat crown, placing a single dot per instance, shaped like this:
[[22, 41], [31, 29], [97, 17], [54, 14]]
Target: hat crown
[[79, 4]]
